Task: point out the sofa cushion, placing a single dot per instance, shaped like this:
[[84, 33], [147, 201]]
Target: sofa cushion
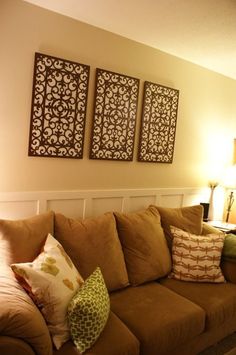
[[88, 311], [115, 339], [187, 218], [19, 317], [23, 239], [228, 268], [196, 257], [94, 242], [159, 318], [217, 300], [13, 346], [52, 280], [145, 248]]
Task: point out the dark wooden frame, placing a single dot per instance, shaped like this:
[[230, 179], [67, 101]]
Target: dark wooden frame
[[59, 103], [114, 121], [159, 119]]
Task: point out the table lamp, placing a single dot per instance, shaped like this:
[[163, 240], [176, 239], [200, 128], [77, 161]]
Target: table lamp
[[230, 184]]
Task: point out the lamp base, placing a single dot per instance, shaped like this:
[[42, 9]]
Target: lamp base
[[230, 204]]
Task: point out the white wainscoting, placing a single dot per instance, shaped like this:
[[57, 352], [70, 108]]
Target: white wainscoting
[[87, 203]]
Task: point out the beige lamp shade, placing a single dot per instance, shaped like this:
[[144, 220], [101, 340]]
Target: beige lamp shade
[[229, 178]]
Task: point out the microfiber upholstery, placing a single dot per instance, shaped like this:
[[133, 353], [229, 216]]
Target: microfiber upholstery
[[187, 218], [217, 300], [158, 317], [93, 242], [115, 339], [8, 346], [161, 317], [208, 229], [228, 268], [23, 239], [20, 318], [144, 245]]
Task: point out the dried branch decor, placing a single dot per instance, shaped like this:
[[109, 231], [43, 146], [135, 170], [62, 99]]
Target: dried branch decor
[[159, 116], [58, 111], [115, 113]]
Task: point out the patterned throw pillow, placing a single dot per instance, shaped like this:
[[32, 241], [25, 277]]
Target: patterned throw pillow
[[88, 311], [51, 280], [196, 257]]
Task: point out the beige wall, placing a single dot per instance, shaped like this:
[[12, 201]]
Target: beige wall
[[206, 124]]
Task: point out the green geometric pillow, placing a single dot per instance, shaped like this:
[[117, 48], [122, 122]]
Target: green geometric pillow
[[88, 311], [229, 249]]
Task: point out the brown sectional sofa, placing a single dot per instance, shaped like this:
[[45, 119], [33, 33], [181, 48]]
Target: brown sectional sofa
[[150, 313]]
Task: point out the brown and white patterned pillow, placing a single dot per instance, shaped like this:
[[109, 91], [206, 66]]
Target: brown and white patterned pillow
[[196, 257]]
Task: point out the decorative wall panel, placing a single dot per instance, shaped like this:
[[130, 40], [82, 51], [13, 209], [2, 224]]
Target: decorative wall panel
[[115, 113], [159, 117], [58, 111]]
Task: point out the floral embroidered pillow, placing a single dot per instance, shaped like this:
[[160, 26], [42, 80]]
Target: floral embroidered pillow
[[196, 257], [51, 280]]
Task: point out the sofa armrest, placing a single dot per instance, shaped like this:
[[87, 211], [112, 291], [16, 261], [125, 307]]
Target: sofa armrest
[[208, 229], [229, 269], [20, 318], [13, 346], [228, 260]]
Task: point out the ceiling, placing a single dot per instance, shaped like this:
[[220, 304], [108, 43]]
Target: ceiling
[[200, 31]]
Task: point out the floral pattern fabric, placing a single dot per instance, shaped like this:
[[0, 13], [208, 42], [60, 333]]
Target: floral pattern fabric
[[51, 280]]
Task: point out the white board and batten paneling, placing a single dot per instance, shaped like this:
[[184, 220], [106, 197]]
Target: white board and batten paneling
[[90, 203]]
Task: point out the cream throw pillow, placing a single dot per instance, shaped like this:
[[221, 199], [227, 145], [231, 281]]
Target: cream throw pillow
[[196, 257], [51, 280]]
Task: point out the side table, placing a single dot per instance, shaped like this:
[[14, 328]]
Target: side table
[[223, 226]]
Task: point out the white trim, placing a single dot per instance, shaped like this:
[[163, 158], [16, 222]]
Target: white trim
[[85, 203]]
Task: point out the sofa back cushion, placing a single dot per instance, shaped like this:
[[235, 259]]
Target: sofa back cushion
[[188, 219], [94, 242], [23, 239], [145, 248]]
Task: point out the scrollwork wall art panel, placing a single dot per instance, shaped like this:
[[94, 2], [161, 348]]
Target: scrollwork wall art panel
[[115, 112], [58, 112], [159, 119]]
